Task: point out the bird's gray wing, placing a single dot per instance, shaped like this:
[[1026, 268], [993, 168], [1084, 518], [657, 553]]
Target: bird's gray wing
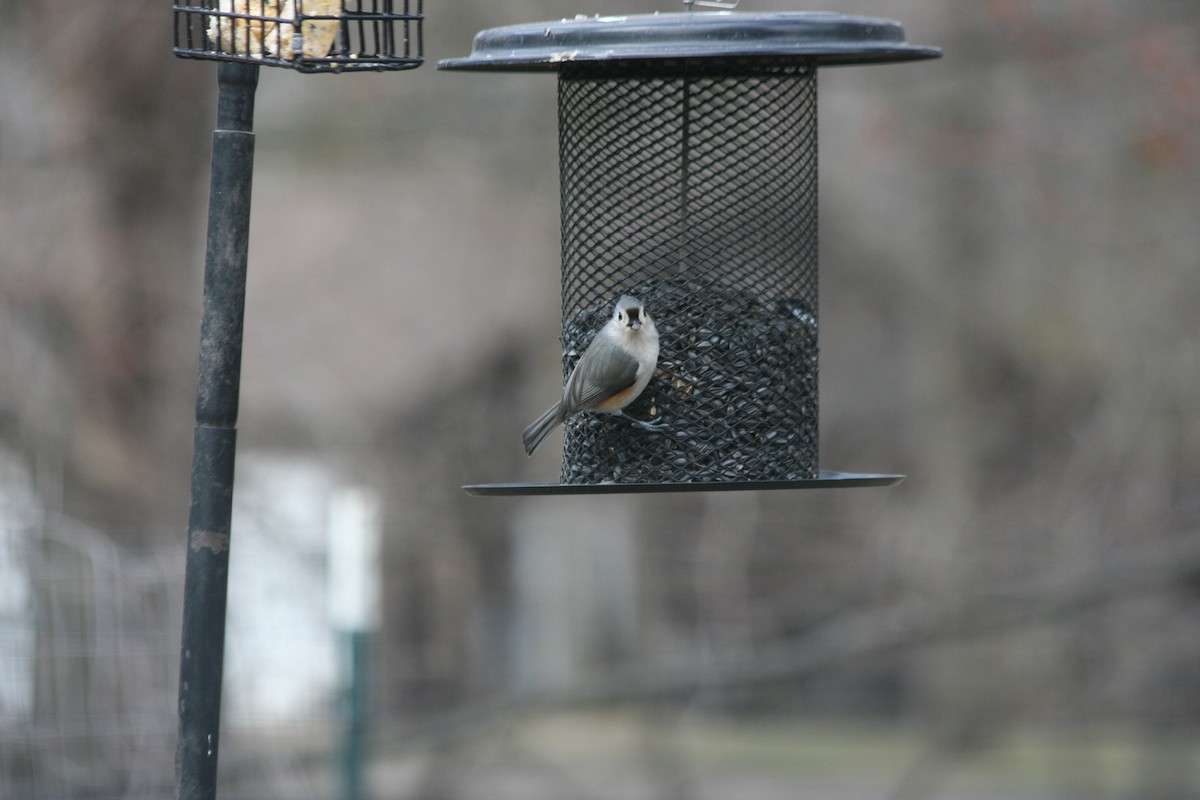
[[604, 370]]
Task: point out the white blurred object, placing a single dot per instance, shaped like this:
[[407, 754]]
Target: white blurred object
[[281, 661], [354, 536], [19, 514]]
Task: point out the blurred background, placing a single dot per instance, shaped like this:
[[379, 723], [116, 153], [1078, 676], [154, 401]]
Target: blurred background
[[1010, 316]]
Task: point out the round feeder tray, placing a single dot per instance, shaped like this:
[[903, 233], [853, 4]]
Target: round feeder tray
[[825, 480]]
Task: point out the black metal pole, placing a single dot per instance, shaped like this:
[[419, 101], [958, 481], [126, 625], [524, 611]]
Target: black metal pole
[[202, 648]]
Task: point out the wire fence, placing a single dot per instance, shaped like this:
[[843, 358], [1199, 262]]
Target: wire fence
[[90, 650], [89, 663], [89, 655]]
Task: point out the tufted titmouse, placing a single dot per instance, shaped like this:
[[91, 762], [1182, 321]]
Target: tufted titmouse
[[610, 375]]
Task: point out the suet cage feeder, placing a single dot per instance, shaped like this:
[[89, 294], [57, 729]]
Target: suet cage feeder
[[688, 175], [305, 35], [311, 36]]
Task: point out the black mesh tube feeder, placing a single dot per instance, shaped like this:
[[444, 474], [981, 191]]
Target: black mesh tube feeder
[[311, 36], [688, 172]]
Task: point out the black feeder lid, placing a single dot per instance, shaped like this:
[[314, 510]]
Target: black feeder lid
[[832, 39]]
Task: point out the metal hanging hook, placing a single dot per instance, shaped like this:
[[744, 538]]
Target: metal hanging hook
[[726, 5]]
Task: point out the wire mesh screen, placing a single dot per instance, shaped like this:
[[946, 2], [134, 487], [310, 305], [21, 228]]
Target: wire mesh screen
[[306, 35], [693, 187]]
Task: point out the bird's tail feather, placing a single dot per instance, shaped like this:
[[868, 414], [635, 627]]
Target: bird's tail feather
[[540, 428]]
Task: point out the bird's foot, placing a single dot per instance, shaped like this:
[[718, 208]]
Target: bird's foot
[[657, 425]]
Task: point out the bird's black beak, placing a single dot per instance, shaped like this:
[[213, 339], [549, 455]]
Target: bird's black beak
[[635, 319]]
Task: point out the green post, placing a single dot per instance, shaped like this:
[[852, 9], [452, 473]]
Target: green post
[[354, 545], [354, 744]]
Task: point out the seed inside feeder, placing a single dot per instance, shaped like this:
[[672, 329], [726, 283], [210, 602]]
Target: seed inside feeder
[[735, 397]]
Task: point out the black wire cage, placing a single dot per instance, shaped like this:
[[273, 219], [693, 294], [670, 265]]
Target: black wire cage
[[305, 35], [688, 173]]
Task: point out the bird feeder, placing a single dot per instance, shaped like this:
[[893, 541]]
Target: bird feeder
[[688, 170], [305, 35], [309, 36]]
